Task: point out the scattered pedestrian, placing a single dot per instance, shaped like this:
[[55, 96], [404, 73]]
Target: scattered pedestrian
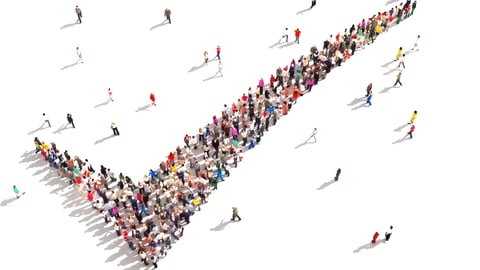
[[415, 45], [220, 67], [414, 5], [297, 35], [375, 236], [337, 175], [218, 52], [79, 14], [70, 120], [314, 133], [369, 99], [168, 13], [46, 119], [399, 77], [110, 94], [414, 115], [314, 3], [79, 54], [285, 35], [412, 129], [152, 98], [205, 57], [235, 214], [115, 129], [17, 192], [402, 61], [369, 89], [388, 234], [399, 53]]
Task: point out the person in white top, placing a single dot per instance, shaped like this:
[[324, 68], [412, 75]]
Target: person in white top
[[415, 46], [285, 35], [388, 234], [79, 54], [314, 132], [402, 61], [220, 67], [45, 119]]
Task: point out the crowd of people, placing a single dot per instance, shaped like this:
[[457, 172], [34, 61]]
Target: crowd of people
[[150, 213]]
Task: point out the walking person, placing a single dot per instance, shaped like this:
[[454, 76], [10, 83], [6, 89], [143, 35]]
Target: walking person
[[369, 89], [110, 94], [78, 11], [46, 119], [113, 126], [388, 234], [152, 99], [414, 115], [205, 57], [154, 260], [399, 53], [218, 52], [70, 120], [235, 214], [402, 61], [415, 46], [297, 35], [410, 133], [167, 14], [369, 99], [375, 237], [337, 175], [314, 132], [220, 67], [79, 54], [399, 76], [314, 3], [285, 35], [17, 192]]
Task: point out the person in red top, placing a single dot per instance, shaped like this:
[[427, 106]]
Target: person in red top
[[412, 129], [375, 236], [218, 52], [297, 35], [152, 98]]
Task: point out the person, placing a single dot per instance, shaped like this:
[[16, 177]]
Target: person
[[152, 98], [115, 129], [285, 35], [218, 52], [314, 132], [399, 76], [168, 12], [154, 259], [402, 61], [415, 46], [369, 99], [110, 94], [399, 53], [79, 54], [78, 11], [375, 236], [297, 35], [205, 57], [17, 192], [46, 120], [369, 89], [70, 120], [314, 2], [410, 133], [235, 214], [338, 174], [220, 67], [414, 115], [388, 234]]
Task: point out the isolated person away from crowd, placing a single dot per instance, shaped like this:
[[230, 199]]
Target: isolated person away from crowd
[[70, 120], [414, 116], [205, 57], [114, 128], [78, 11], [167, 14], [79, 54], [152, 99]]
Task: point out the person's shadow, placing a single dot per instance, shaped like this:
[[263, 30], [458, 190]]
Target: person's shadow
[[287, 44], [356, 101], [221, 226], [69, 25], [326, 184], [398, 129], [401, 140], [386, 89], [214, 76], [363, 105], [144, 108], [369, 245], [69, 66], [303, 11], [38, 129], [160, 24], [307, 141], [104, 139], [6, 202], [195, 68]]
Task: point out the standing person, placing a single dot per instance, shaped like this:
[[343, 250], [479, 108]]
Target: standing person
[[79, 14], [285, 35], [113, 126], [17, 192], [152, 98], [369, 99], [45, 119], [70, 120], [375, 236], [414, 5], [399, 53], [220, 67], [369, 89], [402, 61], [314, 3], [297, 35], [218, 52], [79, 54], [415, 46], [314, 132], [414, 115], [168, 12], [235, 214], [205, 57], [412, 129], [337, 175], [399, 76], [388, 234], [110, 94]]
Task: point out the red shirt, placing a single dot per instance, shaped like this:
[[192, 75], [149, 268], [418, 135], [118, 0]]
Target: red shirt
[[412, 128], [297, 33], [218, 49]]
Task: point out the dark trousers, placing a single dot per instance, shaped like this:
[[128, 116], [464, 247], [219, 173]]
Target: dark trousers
[[79, 15], [71, 122], [235, 217], [48, 122], [115, 131], [169, 20], [398, 82], [410, 134], [314, 2], [387, 236]]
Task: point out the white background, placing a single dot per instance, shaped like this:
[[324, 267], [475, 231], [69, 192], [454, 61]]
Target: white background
[[427, 188]]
